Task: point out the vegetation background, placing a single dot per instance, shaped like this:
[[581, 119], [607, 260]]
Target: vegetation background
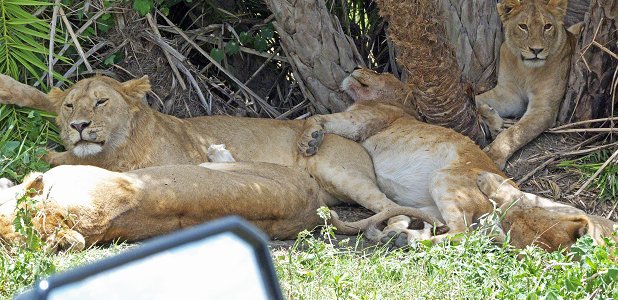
[[284, 59]]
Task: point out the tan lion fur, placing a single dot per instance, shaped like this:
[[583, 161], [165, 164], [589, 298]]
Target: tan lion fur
[[78, 206], [421, 165], [118, 132], [530, 86], [534, 220]]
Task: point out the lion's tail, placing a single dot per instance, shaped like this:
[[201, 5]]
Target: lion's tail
[[351, 228]]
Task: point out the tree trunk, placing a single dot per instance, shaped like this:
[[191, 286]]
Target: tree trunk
[[474, 30], [320, 53], [593, 70], [418, 32]]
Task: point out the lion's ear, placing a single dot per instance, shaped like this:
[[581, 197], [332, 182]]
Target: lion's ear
[[506, 8], [576, 29], [558, 7], [137, 88], [55, 97]]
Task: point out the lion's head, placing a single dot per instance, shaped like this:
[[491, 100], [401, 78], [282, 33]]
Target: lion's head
[[95, 115], [534, 220], [533, 29], [367, 85]]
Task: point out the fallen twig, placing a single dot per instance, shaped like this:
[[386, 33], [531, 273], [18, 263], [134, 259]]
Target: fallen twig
[[74, 38], [152, 24], [52, 36], [269, 109]]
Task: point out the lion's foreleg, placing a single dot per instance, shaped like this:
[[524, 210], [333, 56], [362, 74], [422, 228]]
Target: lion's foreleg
[[539, 116], [356, 125], [14, 92]]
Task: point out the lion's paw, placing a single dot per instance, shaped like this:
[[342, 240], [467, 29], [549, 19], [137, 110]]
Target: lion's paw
[[489, 183], [6, 84], [396, 237], [310, 140], [492, 119], [5, 183]]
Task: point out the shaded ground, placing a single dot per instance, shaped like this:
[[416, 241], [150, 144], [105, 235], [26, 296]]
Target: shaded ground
[[535, 169]]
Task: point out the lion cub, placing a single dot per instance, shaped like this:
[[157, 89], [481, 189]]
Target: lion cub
[[425, 166], [435, 169], [534, 66]]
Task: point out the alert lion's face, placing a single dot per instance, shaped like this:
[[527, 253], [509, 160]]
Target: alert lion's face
[[533, 28], [95, 114], [366, 85]]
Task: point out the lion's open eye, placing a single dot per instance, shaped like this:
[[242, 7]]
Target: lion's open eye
[[547, 26], [101, 101], [523, 27], [68, 105]]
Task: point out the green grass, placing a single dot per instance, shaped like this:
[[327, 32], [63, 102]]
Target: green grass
[[475, 268], [606, 184], [24, 135]]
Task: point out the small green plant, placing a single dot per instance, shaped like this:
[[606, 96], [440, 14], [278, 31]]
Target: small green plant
[[606, 183], [24, 135], [23, 264]]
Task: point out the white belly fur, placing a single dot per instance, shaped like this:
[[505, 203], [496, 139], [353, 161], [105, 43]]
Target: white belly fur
[[404, 172]]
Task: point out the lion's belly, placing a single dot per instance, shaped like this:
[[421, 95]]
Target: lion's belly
[[405, 165]]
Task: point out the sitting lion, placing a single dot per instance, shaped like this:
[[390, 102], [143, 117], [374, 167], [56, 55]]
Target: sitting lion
[[78, 206], [534, 67], [432, 168], [104, 123]]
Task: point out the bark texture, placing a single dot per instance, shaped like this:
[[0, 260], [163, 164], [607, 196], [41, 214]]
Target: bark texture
[[320, 53], [593, 71], [473, 28], [417, 30]]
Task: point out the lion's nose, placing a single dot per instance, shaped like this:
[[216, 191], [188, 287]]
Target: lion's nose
[[536, 51], [80, 126]]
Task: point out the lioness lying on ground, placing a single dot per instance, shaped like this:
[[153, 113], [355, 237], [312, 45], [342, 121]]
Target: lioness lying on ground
[[527, 217], [426, 166], [104, 123], [78, 206], [534, 67]]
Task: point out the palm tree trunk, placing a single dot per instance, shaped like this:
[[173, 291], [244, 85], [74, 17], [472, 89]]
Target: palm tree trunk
[[417, 29], [474, 30], [320, 53], [594, 67]]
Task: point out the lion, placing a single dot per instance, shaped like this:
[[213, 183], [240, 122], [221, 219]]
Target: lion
[[78, 206], [535, 59], [105, 123], [534, 220], [432, 168]]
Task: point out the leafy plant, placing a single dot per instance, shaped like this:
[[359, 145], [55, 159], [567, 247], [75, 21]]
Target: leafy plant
[[24, 135], [21, 265], [607, 181], [23, 39]]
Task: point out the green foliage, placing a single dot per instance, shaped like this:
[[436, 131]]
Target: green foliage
[[23, 50], [474, 268], [607, 182], [24, 134], [21, 265], [143, 7], [23, 38]]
